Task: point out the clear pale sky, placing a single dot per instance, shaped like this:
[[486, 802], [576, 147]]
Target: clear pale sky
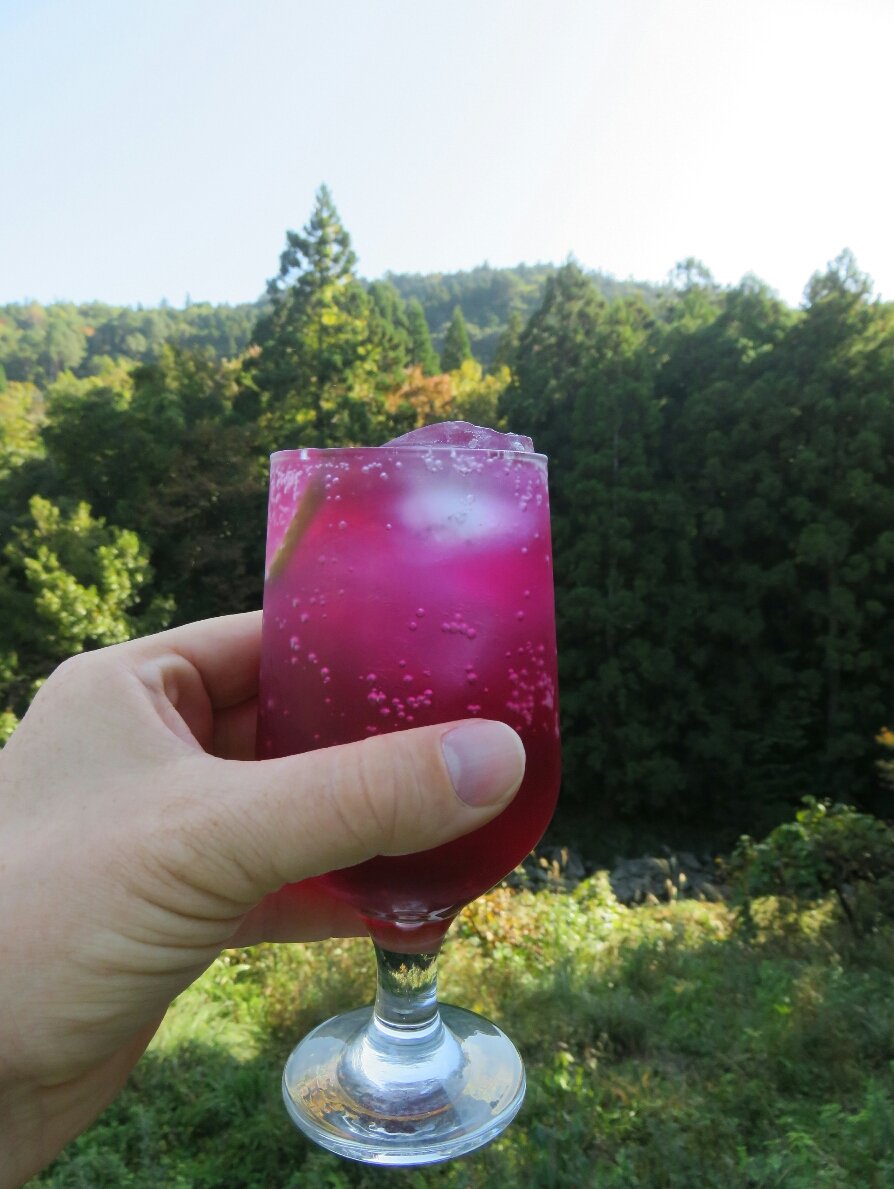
[[154, 150]]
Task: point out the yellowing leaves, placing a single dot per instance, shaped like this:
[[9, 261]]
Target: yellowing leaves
[[466, 394]]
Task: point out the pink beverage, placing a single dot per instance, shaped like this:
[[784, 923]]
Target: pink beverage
[[407, 585]]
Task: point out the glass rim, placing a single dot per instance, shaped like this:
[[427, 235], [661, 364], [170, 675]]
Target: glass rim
[[305, 453]]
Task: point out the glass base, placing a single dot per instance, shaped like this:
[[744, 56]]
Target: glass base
[[367, 1091]]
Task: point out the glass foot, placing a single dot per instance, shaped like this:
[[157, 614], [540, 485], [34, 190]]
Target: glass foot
[[367, 1091]]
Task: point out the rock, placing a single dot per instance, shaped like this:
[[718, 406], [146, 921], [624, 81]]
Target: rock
[[558, 867], [637, 881], [649, 879]]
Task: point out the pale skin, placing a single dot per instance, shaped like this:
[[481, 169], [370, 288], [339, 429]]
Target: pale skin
[[139, 838]]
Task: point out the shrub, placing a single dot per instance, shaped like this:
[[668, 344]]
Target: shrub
[[829, 849]]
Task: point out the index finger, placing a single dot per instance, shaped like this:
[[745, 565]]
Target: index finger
[[225, 652]]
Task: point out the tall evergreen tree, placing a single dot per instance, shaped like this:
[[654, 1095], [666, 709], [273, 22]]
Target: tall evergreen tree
[[389, 331], [507, 346], [422, 353], [457, 348], [317, 362], [743, 735]]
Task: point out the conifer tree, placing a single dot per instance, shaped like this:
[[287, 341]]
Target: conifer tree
[[507, 346], [317, 362], [389, 331], [422, 353], [457, 348]]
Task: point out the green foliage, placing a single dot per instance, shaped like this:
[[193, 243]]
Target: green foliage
[[493, 298], [38, 343], [389, 326], [660, 1051], [722, 502], [67, 582], [322, 342], [828, 848], [21, 412], [421, 354], [722, 489], [85, 578], [457, 348]]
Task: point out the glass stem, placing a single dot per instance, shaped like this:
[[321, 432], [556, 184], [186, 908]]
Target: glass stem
[[406, 1008]]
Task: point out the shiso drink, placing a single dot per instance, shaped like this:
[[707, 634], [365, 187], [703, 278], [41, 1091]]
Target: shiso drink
[[411, 584]]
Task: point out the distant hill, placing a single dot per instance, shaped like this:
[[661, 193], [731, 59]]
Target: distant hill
[[37, 341], [489, 296]]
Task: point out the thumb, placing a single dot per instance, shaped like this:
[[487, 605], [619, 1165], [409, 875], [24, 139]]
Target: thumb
[[303, 815]]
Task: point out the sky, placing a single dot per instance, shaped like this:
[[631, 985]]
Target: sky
[[161, 150]]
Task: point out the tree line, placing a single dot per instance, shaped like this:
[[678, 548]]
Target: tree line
[[722, 485]]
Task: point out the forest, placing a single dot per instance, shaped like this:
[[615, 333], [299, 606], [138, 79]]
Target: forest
[[722, 487]]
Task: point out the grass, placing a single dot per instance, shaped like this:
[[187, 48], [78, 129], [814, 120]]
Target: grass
[[662, 1050]]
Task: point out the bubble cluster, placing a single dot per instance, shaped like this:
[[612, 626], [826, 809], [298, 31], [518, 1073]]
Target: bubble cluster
[[532, 684], [458, 626]]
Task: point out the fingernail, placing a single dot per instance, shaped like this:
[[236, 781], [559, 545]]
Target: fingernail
[[486, 761]]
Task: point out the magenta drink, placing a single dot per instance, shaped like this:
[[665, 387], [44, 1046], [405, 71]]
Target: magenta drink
[[411, 584], [420, 591]]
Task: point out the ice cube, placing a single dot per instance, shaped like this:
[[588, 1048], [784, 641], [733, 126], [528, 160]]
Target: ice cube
[[452, 514], [463, 434]]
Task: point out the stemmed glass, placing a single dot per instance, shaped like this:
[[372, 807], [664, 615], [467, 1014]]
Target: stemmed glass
[[411, 584]]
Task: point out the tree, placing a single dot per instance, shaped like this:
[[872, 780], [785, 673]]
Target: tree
[[422, 353], [389, 330], [68, 582], [457, 347], [21, 411], [836, 375], [507, 347], [744, 723], [553, 361], [317, 362]]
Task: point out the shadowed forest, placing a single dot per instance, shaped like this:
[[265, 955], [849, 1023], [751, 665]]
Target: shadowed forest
[[722, 488]]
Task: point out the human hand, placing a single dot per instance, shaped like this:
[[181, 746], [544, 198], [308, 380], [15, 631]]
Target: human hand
[[139, 838]]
